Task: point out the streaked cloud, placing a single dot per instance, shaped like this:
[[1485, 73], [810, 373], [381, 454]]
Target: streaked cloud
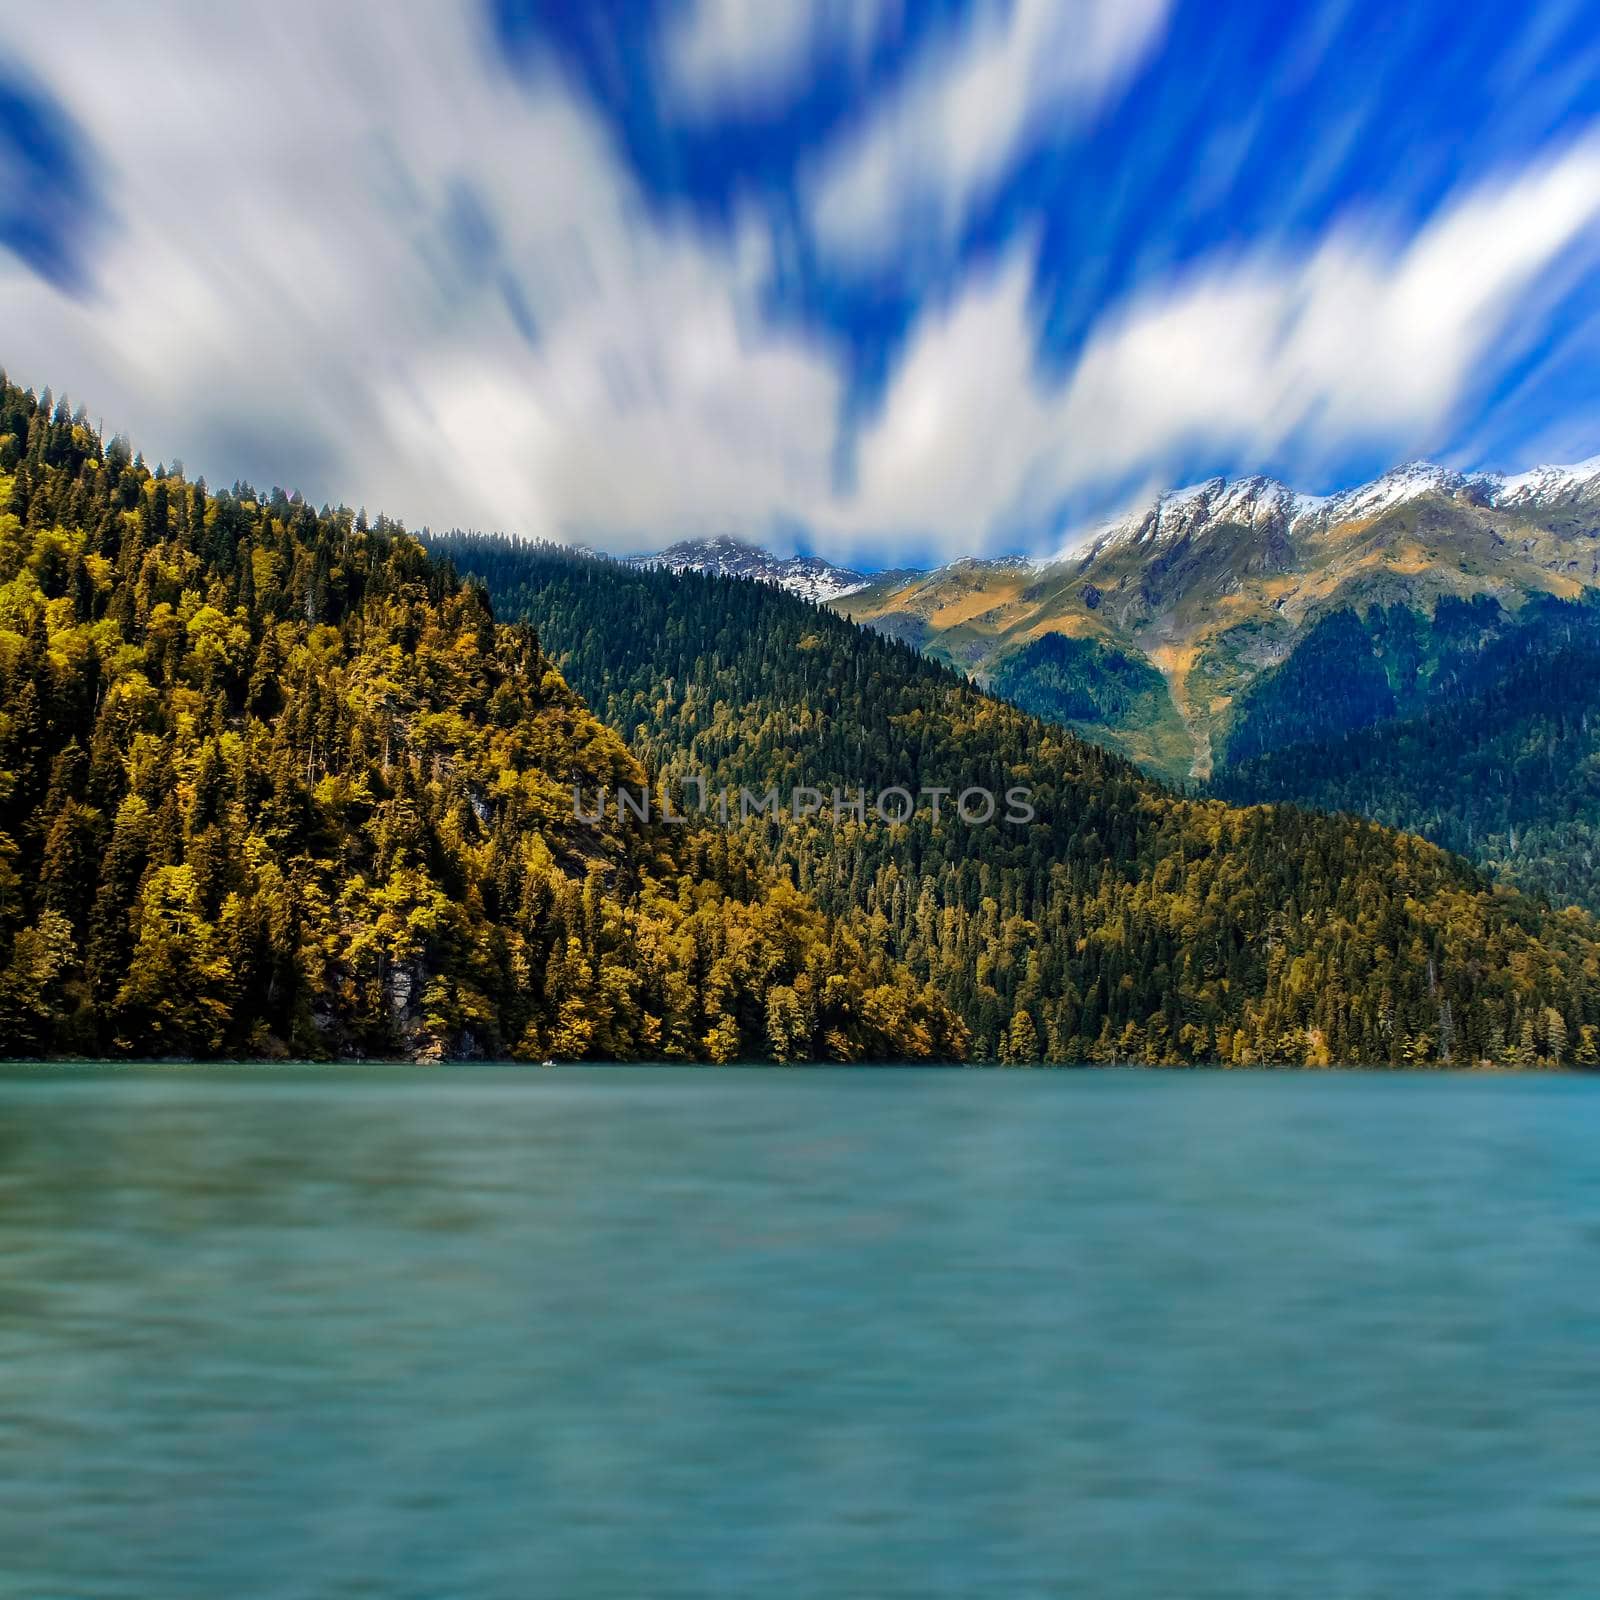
[[937, 140], [1353, 341], [743, 54], [358, 250], [374, 265]]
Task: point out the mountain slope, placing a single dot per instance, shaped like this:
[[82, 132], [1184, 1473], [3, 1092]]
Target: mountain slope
[[1123, 922], [1097, 690], [1496, 755], [1216, 584], [1354, 669], [274, 781]]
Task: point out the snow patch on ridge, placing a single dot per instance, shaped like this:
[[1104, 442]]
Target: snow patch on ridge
[[1396, 486], [1257, 501], [1183, 513], [1549, 483], [810, 577]]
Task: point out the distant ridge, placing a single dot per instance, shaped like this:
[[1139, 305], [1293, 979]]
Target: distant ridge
[[1257, 500], [810, 577]]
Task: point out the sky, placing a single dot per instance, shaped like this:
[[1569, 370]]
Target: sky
[[883, 280]]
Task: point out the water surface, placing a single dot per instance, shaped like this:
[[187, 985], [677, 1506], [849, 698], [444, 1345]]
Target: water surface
[[645, 1332]]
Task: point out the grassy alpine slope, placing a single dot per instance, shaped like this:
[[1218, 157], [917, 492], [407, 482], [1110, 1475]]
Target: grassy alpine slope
[[1126, 923], [1219, 585]]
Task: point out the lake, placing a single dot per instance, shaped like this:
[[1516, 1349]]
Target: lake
[[641, 1332]]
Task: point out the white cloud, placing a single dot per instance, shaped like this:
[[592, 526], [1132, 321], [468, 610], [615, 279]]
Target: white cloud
[[319, 211], [1355, 342], [747, 53], [330, 218], [927, 152]]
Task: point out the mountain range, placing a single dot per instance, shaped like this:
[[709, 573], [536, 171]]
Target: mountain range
[[1146, 634], [1184, 603], [1423, 649], [1208, 585], [1125, 923]]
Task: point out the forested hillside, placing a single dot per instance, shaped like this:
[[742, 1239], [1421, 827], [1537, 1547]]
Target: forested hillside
[[273, 780], [1488, 743], [1354, 668], [1099, 691], [1125, 923]]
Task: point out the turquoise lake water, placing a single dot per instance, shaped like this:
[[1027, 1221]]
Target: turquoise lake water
[[505, 1332]]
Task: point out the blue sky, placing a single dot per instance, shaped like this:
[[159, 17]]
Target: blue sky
[[887, 280]]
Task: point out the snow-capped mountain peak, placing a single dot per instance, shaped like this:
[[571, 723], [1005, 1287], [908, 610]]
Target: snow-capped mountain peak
[[810, 577], [1406, 482], [1256, 503], [1548, 484], [1251, 502], [1012, 563]]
